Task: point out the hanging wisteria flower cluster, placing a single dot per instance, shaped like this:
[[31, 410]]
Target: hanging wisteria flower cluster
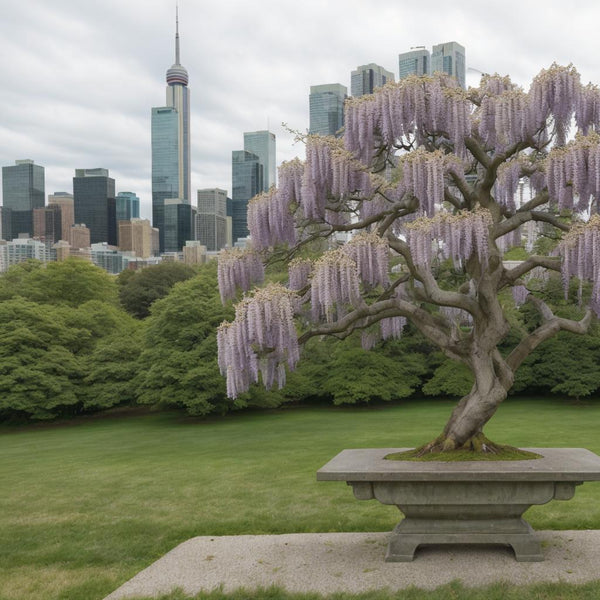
[[496, 84], [238, 269], [574, 171], [519, 294], [262, 339], [299, 271], [580, 252], [505, 119], [390, 327], [270, 220], [507, 183], [290, 175], [424, 176], [554, 92], [414, 107], [371, 253], [587, 110], [459, 236], [334, 285]]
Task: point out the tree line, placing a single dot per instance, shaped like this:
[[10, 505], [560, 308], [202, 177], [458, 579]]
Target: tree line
[[76, 340]]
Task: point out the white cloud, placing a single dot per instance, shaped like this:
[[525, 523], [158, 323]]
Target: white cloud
[[78, 81]]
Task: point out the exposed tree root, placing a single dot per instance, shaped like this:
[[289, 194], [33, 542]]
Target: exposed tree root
[[478, 447]]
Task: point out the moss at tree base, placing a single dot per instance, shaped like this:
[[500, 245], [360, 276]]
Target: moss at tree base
[[477, 448]]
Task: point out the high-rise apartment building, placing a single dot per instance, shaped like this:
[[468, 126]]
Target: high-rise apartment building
[[171, 144], [247, 181], [211, 219], [64, 200], [415, 62], [23, 189], [262, 143], [94, 202], [127, 206], [450, 58], [367, 78], [326, 108]]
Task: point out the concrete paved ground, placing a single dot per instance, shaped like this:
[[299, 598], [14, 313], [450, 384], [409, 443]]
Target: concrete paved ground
[[353, 562]]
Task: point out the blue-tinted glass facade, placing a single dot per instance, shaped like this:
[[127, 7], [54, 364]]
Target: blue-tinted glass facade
[[165, 164], [326, 106], [247, 181], [127, 206], [178, 225], [415, 62], [367, 78], [262, 143], [450, 58], [23, 189], [94, 204]]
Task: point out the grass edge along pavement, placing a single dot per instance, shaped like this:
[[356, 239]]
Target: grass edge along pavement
[[451, 591], [87, 505]]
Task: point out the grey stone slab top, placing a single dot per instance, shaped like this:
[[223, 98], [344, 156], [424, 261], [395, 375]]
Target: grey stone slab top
[[369, 464]]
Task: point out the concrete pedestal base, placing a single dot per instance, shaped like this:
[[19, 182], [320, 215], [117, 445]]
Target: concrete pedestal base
[[477, 502]]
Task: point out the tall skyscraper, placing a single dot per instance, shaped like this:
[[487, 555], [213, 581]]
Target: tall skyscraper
[[262, 143], [326, 105], [171, 143], [94, 202], [23, 189], [367, 78], [450, 58], [179, 219], [415, 62], [211, 219], [247, 181]]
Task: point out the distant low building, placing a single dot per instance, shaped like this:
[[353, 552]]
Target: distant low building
[[21, 249]]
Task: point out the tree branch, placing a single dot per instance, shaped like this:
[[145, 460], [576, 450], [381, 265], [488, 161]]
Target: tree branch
[[511, 275], [551, 326]]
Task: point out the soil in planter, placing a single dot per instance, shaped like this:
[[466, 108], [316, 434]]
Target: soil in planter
[[477, 448]]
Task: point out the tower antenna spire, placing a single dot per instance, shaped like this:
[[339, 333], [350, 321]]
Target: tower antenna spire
[[176, 34]]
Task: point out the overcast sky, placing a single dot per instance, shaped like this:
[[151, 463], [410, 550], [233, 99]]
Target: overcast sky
[[78, 77]]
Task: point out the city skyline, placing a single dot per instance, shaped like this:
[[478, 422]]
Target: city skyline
[[78, 85]]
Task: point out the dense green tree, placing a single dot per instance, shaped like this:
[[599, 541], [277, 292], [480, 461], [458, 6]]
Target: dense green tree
[[178, 364], [40, 375], [65, 345], [139, 291], [71, 282], [359, 376]]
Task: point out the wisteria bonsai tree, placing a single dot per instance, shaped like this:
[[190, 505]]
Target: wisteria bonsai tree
[[426, 172]]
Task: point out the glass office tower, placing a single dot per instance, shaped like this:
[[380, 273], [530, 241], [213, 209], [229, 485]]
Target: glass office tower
[[247, 181], [23, 189], [367, 78], [262, 143], [415, 62], [450, 58], [326, 105], [94, 203]]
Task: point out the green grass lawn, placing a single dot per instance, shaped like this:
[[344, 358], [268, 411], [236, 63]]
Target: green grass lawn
[[85, 506]]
